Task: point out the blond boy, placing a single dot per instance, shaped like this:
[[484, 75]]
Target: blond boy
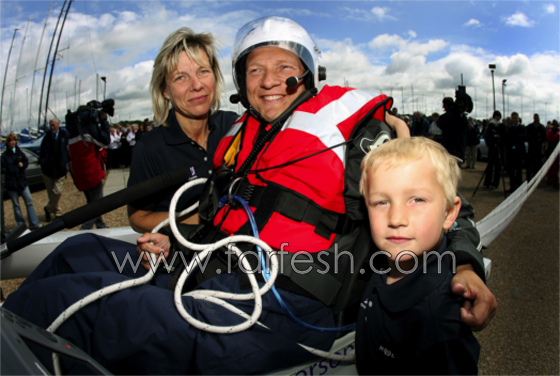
[[409, 321]]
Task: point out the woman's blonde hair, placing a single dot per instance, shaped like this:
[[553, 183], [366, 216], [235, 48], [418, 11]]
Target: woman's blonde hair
[[400, 151], [166, 62]]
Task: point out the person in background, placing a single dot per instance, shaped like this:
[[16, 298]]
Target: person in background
[[410, 186], [113, 148], [186, 86], [88, 156], [454, 126], [131, 139], [515, 151], [14, 164], [435, 133], [141, 130], [473, 139], [552, 138], [536, 138], [124, 159], [494, 136], [420, 125], [54, 158]]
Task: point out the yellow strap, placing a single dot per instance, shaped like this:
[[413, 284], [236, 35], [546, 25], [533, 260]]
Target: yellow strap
[[233, 149]]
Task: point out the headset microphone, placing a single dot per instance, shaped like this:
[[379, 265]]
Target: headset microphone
[[293, 81]]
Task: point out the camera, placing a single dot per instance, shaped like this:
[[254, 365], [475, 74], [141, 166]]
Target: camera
[[88, 114]]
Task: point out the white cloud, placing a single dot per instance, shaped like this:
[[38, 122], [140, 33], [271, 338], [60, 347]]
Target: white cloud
[[376, 14], [381, 13], [384, 41], [519, 19], [407, 54], [549, 8], [473, 23]]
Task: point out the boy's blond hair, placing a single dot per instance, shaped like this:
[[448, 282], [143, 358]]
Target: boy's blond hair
[[400, 151]]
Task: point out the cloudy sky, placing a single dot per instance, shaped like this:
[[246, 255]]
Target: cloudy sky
[[416, 51]]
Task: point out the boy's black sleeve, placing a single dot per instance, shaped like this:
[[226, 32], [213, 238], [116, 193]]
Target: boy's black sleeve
[[458, 356], [464, 240]]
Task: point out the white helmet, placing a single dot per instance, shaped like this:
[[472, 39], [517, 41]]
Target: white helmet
[[275, 32]]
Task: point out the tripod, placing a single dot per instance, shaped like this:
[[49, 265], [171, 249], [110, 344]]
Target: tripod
[[491, 157]]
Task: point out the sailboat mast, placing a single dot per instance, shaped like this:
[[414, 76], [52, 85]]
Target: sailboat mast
[[54, 59], [17, 70], [46, 67], [4, 84], [36, 61]]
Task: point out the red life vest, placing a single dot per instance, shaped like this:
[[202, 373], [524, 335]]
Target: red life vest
[[86, 161], [323, 121]]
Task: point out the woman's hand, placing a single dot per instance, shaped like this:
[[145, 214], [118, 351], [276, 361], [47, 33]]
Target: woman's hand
[[398, 125], [20, 165], [469, 285], [152, 243]]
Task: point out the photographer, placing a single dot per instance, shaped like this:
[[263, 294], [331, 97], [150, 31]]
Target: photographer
[[89, 134], [454, 126], [14, 164], [493, 135]]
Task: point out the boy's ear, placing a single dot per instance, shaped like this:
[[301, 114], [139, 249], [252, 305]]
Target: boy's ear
[[452, 213]]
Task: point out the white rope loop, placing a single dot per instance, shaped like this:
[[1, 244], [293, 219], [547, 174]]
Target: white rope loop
[[216, 297]]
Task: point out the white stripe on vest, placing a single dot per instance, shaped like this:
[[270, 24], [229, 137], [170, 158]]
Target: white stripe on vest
[[324, 123]]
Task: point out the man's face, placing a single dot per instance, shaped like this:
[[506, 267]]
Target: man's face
[[407, 208], [54, 125], [536, 118], [514, 118], [267, 71]]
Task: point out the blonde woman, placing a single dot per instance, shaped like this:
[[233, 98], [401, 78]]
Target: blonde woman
[[186, 87]]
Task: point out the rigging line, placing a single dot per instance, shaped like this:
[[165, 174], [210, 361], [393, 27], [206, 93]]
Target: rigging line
[[89, 36], [4, 84], [36, 61], [17, 71], [54, 59], [47, 67]]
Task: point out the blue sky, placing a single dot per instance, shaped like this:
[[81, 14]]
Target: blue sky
[[415, 50]]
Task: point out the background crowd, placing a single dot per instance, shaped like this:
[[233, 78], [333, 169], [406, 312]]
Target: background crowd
[[512, 146]]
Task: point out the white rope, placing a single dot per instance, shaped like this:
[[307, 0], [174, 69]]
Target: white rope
[[215, 297]]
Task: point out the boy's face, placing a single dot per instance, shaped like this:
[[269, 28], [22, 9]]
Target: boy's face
[[407, 209]]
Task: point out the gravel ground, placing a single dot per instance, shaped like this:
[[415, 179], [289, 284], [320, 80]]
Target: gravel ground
[[523, 337]]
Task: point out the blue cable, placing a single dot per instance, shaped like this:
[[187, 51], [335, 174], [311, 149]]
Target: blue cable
[[266, 274]]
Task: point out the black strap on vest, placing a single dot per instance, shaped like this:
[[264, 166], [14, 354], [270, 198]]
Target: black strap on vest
[[291, 204]]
